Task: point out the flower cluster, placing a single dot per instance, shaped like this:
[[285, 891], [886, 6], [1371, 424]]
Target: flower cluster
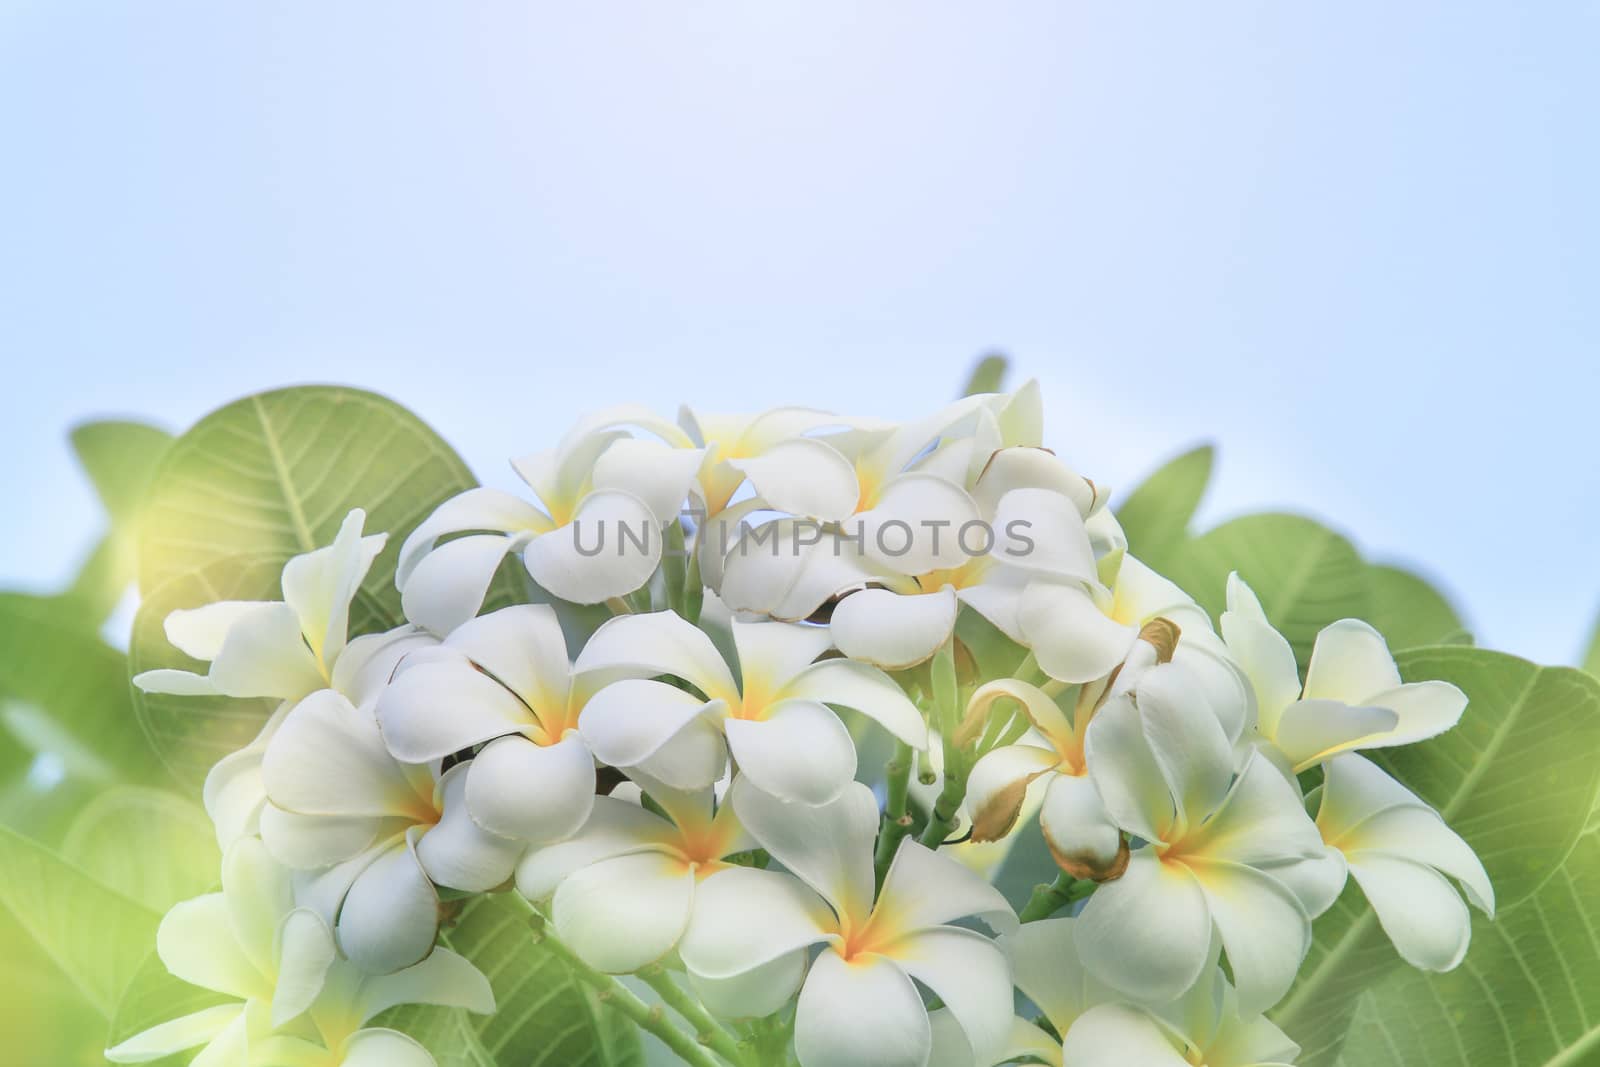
[[683, 788]]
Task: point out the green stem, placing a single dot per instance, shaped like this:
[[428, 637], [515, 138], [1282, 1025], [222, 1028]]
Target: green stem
[[1049, 899], [943, 817], [896, 819], [708, 1031], [618, 996]]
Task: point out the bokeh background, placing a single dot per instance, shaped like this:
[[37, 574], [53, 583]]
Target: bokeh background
[[1354, 244]]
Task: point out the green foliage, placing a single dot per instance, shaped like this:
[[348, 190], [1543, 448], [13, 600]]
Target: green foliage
[[1517, 779], [1410, 612], [250, 485], [544, 1016], [988, 376], [153, 845], [1524, 995], [120, 458], [1591, 654], [1157, 514], [154, 996]]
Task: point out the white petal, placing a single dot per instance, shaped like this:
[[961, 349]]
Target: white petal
[[1044, 955], [369, 662], [610, 548], [864, 1013], [800, 752], [265, 655], [620, 914], [1057, 543], [924, 888], [1119, 1035], [319, 585], [912, 528], [390, 916], [1418, 834], [788, 568], [998, 784], [745, 918], [893, 630], [803, 476], [196, 942], [772, 653], [1077, 827], [691, 760], [828, 846], [307, 842], [1126, 773], [328, 758], [457, 852], [1424, 710], [755, 993], [1349, 662], [177, 683], [615, 827], [1148, 933], [1264, 930], [201, 632], [1025, 468], [531, 792], [998, 597], [1071, 638], [448, 585], [1420, 911], [655, 473], [864, 689], [1316, 883], [629, 721], [175, 1036], [305, 952], [259, 895], [1186, 739], [1312, 731], [660, 643], [229, 1047], [1260, 823], [234, 794], [384, 1048], [1141, 595], [971, 975], [523, 647], [444, 979], [436, 708], [475, 509], [1267, 660]]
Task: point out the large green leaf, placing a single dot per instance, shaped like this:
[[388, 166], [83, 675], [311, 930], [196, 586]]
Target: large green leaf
[[1305, 574], [67, 690], [1156, 515], [152, 845], [120, 457], [1525, 997], [251, 485], [544, 1016], [95, 935], [1516, 779], [1409, 611]]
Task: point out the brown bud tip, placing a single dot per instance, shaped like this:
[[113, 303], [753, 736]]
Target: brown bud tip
[[1085, 869], [1163, 634]]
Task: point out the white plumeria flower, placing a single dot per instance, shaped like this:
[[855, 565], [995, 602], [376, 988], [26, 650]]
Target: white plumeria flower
[[1352, 699], [1204, 1029], [606, 496], [1031, 523], [1081, 834], [778, 729], [874, 506], [382, 833], [502, 678], [1402, 855], [747, 944], [269, 648], [622, 889], [1216, 845], [297, 1004]]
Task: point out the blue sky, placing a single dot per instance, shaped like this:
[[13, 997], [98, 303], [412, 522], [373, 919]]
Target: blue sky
[[1354, 244]]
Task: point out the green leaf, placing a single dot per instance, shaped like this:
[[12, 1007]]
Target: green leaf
[[154, 846], [544, 1017], [1591, 655], [1516, 779], [154, 996], [263, 479], [67, 690], [96, 935], [1409, 611], [120, 457], [1156, 515], [1305, 574], [988, 376], [1524, 996]]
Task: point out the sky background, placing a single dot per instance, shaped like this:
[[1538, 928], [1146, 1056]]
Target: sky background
[[1357, 245]]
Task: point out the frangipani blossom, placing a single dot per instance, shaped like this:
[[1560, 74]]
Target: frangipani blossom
[[606, 496], [299, 1005], [382, 833], [1204, 1029], [858, 1006], [269, 648], [1352, 699], [1164, 769], [1402, 855], [623, 889], [774, 718], [502, 678]]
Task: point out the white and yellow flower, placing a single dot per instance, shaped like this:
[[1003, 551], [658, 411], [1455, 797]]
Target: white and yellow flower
[[774, 717], [746, 947]]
